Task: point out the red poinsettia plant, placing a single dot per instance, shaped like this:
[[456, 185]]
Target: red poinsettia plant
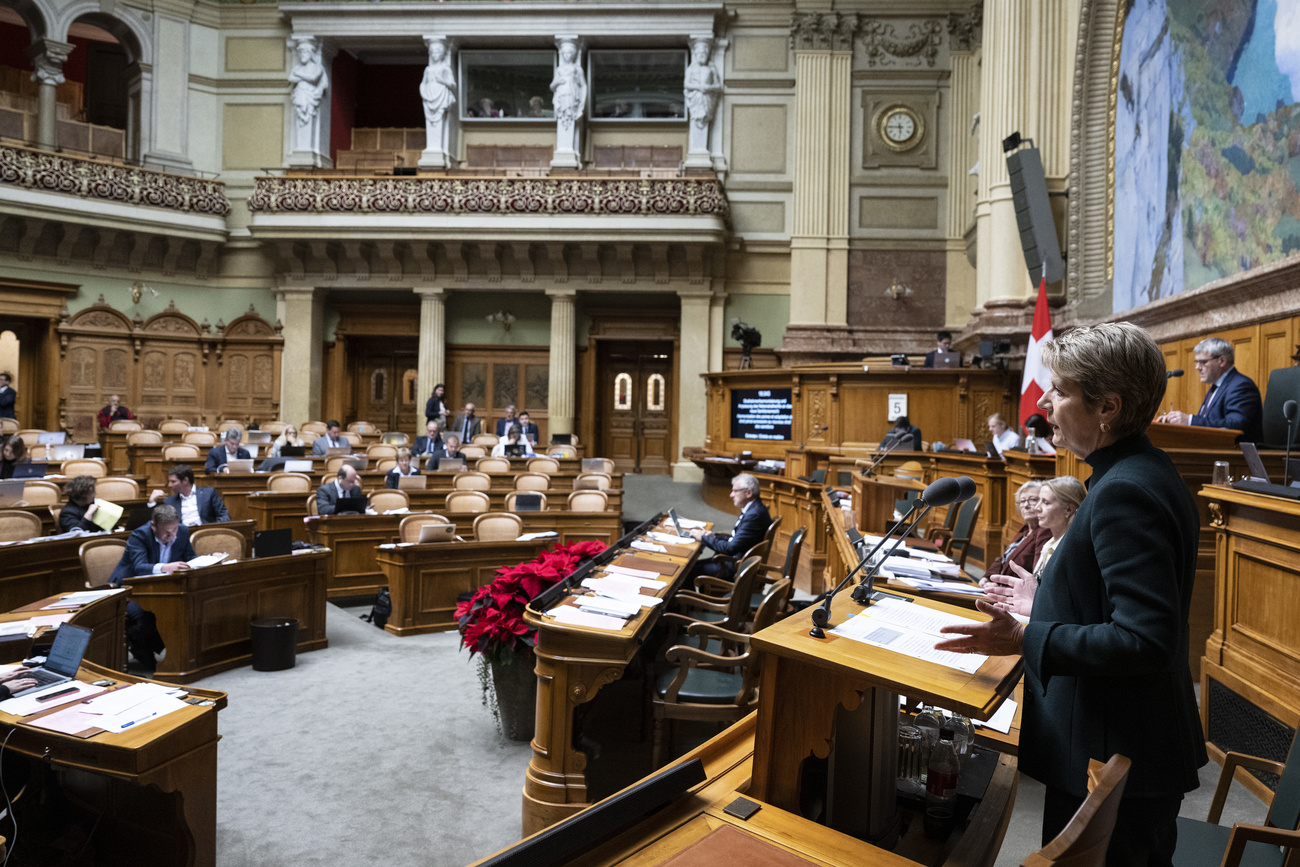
[[492, 621]]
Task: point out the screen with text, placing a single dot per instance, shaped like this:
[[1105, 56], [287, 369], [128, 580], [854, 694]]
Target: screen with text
[[761, 413]]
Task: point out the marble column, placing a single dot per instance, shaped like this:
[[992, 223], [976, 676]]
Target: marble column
[[963, 155], [564, 339], [433, 339], [302, 311], [48, 56], [692, 363], [718, 328]]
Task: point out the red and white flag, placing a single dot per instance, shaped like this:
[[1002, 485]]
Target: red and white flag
[[1037, 380]]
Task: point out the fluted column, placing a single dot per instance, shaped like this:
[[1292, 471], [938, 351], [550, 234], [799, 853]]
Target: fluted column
[[717, 328], [963, 154], [48, 56], [301, 309], [560, 403], [433, 348], [692, 364]]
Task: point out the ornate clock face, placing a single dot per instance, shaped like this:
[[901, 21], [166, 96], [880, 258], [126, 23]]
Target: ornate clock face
[[899, 127]]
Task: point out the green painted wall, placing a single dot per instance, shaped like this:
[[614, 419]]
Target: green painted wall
[[770, 314], [467, 323]]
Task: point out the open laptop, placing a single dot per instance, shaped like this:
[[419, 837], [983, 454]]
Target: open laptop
[[358, 464], [272, 543], [560, 439], [444, 464], [67, 452], [437, 533], [63, 660], [1253, 462], [337, 451], [412, 483], [962, 444], [52, 438], [293, 451], [29, 471], [525, 502], [991, 450], [239, 466], [593, 465], [947, 359], [11, 492], [677, 524], [137, 516], [297, 466], [514, 450], [260, 437]]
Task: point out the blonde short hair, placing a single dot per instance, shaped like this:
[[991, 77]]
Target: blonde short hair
[[403, 452], [1116, 358], [1067, 489]]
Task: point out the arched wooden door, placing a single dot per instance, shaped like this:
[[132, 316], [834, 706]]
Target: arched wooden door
[[635, 400]]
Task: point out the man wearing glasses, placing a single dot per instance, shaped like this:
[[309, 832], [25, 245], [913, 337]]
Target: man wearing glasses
[[1233, 399]]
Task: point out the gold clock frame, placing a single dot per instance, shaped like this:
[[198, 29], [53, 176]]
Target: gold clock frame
[[918, 126]]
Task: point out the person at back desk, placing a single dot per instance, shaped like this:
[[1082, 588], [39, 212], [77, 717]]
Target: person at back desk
[[750, 528], [529, 429], [159, 547], [332, 439], [504, 424], [909, 433], [451, 450], [80, 508], [943, 343], [13, 453], [229, 450], [114, 411], [467, 424], [1233, 398], [8, 397], [343, 496], [514, 437], [431, 443], [195, 505], [403, 468]]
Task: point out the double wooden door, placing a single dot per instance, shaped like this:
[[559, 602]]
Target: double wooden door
[[386, 384], [635, 420]]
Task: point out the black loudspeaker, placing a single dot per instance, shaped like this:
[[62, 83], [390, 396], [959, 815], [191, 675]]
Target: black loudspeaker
[[405, 171], [1283, 385], [1034, 215]]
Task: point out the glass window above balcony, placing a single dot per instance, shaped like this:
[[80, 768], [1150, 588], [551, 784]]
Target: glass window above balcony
[[638, 85], [506, 85]]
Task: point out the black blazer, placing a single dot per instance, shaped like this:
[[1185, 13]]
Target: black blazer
[[747, 533], [7, 399], [435, 409], [212, 509], [1237, 405], [328, 501], [142, 550], [72, 516], [421, 443], [1106, 646], [217, 458]]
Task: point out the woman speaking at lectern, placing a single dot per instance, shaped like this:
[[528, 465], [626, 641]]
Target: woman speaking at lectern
[[1105, 648]]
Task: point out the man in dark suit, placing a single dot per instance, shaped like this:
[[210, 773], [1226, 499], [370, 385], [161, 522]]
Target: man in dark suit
[[750, 528], [431, 443], [909, 433], [451, 449], [341, 496], [195, 505], [467, 425], [7, 396], [80, 508], [529, 429], [229, 450], [503, 424], [943, 343], [333, 439], [158, 548], [1233, 400]]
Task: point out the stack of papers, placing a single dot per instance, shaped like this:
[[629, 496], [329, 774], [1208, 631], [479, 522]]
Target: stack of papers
[[904, 567], [649, 546], [909, 629], [85, 597], [616, 588], [207, 560], [31, 702], [577, 617], [607, 605], [642, 577], [118, 710], [671, 538], [528, 537], [690, 524], [943, 586]]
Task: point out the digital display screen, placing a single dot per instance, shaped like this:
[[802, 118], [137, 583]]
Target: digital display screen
[[761, 413]]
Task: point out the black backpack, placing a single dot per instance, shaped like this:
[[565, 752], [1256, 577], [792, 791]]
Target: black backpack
[[382, 608]]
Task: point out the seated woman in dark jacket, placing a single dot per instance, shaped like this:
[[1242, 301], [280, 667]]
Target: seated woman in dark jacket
[[80, 507], [1029, 540], [403, 468]]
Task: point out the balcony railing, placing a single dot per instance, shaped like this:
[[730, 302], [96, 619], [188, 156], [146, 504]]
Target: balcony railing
[[94, 179], [583, 196]]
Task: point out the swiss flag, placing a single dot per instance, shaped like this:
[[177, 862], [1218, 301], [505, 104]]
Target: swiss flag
[[1037, 380]]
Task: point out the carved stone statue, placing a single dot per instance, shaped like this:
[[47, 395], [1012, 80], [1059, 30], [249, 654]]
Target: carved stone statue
[[703, 91], [438, 91], [569, 87], [310, 82]]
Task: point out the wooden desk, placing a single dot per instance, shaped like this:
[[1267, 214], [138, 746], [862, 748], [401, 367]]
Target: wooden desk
[[991, 485], [163, 771], [573, 663], [204, 614], [718, 471], [424, 580], [42, 568], [276, 510], [1250, 685], [874, 499], [106, 616], [113, 445]]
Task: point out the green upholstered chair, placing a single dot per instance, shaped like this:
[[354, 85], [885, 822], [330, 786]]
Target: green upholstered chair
[[770, 573], [958, 546], [1209, 844]]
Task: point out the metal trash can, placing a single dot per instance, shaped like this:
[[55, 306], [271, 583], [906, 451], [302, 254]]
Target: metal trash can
[[275, 643]]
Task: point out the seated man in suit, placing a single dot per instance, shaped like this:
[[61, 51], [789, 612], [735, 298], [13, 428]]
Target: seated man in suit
[[529, 429], [909, 433], [332, 439], [750, 528], [1233, 399], [467, 425], [503, 424], [160, 547], [943, 343], [451, 450], [195, 505], [229, 450], [80, 507], [8, 397], [404, 468], [431, 443], [342, 496]]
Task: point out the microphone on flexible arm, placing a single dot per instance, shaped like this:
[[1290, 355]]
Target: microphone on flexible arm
[[1170, 374], [816, 431], [940, 492], [890, 442], [1289, 410]]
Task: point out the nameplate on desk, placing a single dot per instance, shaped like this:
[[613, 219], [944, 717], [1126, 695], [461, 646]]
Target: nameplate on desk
[[631, 561]]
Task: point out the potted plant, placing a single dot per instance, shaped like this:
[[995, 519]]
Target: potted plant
[[492, 626]]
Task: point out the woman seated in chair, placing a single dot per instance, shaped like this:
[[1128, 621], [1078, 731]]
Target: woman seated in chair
[[77, 514], [404, 468], [13, 453], [1058, 500], [513, 445], [1029, 540], [288, 438]]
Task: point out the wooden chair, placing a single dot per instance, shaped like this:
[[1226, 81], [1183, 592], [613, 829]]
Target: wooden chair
[[311, 505], [1084, 840], [550, 466], [725, 690], [771, 574], [316, 427], [471, 481], [562, 451], [468, 501], [388, 499], [199, 438], [498, 527], [228, 424], [588, 501], [385, 465], [409, 529], [274, 428], [55, 511], [8, 425], [30, 436], [731, 611], [143, 437], [215, 538], [41, 493], [593, 482], [99, 557], [363, 427], [510, 499], [958, 547], [473, 452], [1209, 843], [125, 424], [761, 549], [397, 438], [85, 467], [532, 482], [307, 437], [174, 425], [909, 470], [115, 488], [605, 466], [492, 465], [36, 453], [333, 464], [381, 451], [488, 440], [295, 483], [180, 453], [17, 525], [354, 439]]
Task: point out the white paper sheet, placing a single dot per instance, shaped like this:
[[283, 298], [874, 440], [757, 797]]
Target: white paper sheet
[[943, 586], [641, 574], [691, 524], [545, 534], [28, 704], [577, 617], [910, 629], [608, 605], [671, 538], [649, 546], [207, 560], [1001, 721]]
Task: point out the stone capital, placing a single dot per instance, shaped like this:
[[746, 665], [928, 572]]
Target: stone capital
[[48, 57], [431, 293], [823, 31], [964, 27], [562, 295]]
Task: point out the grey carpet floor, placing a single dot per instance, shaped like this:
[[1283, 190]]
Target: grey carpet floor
[[378, 749]]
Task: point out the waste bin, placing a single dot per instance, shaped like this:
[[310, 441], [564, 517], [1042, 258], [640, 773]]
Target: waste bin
[[275, 643]]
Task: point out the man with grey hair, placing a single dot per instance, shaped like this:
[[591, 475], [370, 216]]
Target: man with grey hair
[[1233, 400], [749, 530], [228, 450]]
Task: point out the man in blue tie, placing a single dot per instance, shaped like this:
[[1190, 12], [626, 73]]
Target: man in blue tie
[[749, 530], [1233, 400]]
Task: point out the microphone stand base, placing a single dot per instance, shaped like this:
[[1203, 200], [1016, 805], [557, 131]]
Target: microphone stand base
[[817, 632]]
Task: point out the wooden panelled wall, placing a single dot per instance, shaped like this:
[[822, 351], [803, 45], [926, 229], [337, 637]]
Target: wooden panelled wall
[[493, 378], [1259, 349], [167, 366]]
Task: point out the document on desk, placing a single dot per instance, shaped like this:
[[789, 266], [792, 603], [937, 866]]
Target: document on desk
[[616, 588], [17, 627], [608, 605], [29, 704], [690, 524], [649, 546], [572, 616], [207, 560], [1001, 721], [645, 577], [943, 586], [671, 538], [544, 534], [123, 708], [910, 629], [84, 597]]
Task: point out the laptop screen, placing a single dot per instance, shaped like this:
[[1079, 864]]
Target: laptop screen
[[70, 644], [528, 502], [1251, 453], [272, 543], [52, 438], [29, 471]]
